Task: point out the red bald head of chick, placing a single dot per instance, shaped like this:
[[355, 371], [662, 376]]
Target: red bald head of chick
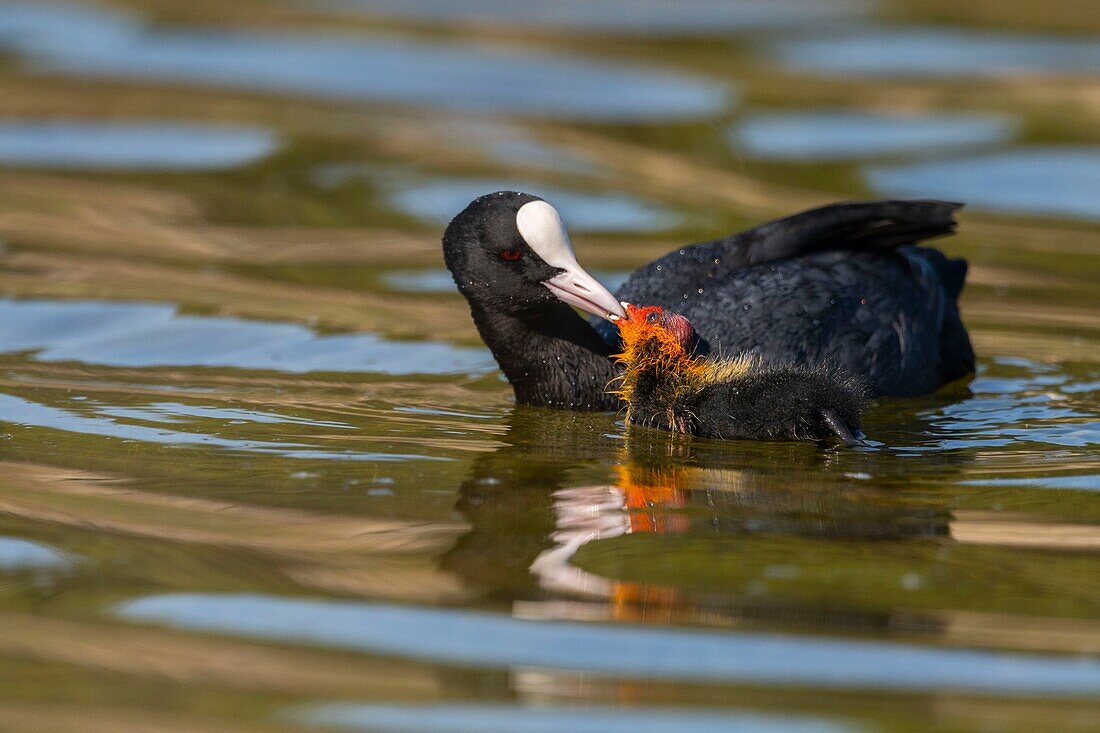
[[652, 321], [657, 342]]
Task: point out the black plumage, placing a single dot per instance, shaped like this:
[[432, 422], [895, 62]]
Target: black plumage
[[785, 403], [843, 286], [549, 354], [768, 403], [665, 386], [840, 286]]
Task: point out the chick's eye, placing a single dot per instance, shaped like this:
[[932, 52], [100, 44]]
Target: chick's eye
[[511, 255], [653, 318]]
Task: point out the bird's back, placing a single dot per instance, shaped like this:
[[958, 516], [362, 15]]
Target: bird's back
[[839, 286]]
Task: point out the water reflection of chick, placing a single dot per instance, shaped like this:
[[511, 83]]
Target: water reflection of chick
[[641, 501], [544, 512]]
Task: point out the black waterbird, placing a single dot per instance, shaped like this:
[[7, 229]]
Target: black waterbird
[[844, 286]]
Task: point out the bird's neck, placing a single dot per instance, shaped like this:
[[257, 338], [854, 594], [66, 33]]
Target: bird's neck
[[552, 358]]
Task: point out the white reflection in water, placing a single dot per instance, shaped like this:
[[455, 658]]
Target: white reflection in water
[[1060, 181], [152, 335], [110, 44], [130, 145], [489, 640], [18, 554], [843, 135], [555, 719], [582, 514]]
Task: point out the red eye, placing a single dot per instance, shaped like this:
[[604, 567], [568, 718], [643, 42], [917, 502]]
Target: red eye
[[511, 255]]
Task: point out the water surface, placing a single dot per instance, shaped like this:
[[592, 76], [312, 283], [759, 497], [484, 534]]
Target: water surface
[[130, 145], [439, 200], [441, 281], [1055, 181], [257, 472], [838, 135], [483, 640], [644, 17], [107, 44], [154, 335], [18, 555], [547, 719], [938, 52]]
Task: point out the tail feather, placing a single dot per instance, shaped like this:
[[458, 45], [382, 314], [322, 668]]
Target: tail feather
[[861, 225]]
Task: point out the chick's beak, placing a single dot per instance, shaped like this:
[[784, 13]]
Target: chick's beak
[[579, 289]]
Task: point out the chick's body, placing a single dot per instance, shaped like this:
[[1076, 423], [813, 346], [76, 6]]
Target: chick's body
[[666, 387]]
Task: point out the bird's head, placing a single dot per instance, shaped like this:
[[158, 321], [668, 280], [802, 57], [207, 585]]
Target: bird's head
[[509, 252], [656, 359], [656, 331]]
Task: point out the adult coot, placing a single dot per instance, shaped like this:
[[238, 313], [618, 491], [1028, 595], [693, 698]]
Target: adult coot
[[843, 285]]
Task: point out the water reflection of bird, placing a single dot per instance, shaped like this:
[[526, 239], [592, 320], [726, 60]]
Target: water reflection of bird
[[665, 386], [555, 492], [843, 285]]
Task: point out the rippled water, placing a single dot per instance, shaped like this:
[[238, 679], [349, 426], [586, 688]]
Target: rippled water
[[516, 719], [1061, 181], [150, 335], [258, 473], [931, 51], [644, 17], [129, 145], [18, 555], [78, 40], [833, 135], [440, 200], [440, 281]]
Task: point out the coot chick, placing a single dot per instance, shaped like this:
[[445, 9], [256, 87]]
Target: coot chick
[[842, 284], [665, 387]]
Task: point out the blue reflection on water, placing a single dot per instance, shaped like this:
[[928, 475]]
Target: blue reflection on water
[[1061, 181], [1090, 482], [1013, 401], [130, 145], [513, 145], [439, 200], [175, 412], [682, 17], [533, 153], [440, 280], [554, 719], [18, 554], [841, 135], [491, 640], [928, 51], [103, 43], [18, 411], [151, 335]]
